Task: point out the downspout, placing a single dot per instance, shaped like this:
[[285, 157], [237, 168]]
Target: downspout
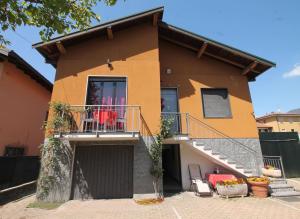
[[277, 123]]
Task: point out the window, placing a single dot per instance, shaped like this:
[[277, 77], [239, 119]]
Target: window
[[106, 91], [215, 103], [13, 151], [292, 130]]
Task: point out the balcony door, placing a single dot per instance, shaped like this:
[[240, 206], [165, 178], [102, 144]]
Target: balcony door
[[169, 107], [106, 91]]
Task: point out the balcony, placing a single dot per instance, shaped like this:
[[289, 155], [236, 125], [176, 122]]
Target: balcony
[[101, 122]]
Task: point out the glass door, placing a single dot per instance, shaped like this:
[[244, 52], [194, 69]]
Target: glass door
[[169, 107]]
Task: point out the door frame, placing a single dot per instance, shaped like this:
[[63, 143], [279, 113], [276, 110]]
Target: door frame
[[179, 162]]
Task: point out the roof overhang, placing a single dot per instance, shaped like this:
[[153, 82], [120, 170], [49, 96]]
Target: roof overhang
[[277, 115], [53, 48], [250, 65], [20, 63]]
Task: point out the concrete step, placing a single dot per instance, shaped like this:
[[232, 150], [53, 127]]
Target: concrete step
[[247, 171], [239, 166], [278, 186], [287, 189], [222, 157], [285, 194], [207, 148], [231, 162], [215, 153], [277, 181]]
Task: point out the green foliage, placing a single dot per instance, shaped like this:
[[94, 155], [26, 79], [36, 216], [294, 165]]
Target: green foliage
[[156, 149], [44, 205], [51, 16], [54, 152], [61, 117]]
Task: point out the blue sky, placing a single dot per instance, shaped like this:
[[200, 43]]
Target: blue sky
[[267, 28]]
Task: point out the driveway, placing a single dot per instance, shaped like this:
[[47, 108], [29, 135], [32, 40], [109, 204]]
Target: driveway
[[184, 205]]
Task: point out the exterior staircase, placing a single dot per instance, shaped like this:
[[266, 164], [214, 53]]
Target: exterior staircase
[[218, 147], [220, 158], [280, 188]]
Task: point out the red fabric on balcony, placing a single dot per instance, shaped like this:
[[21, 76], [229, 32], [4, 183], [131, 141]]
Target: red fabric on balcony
[[105, 117], [214, 178]]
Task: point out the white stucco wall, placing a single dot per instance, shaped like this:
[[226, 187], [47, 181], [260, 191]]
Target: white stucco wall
[[188, 155]]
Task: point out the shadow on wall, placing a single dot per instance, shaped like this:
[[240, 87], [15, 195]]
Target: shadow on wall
[[188, 72], [94, 52]]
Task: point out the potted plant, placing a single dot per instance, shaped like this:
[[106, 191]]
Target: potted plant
[[232, 188], [271, 171], [259, 186]]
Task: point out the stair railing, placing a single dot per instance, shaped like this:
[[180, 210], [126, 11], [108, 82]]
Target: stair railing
[[274, 161], [221, 143]]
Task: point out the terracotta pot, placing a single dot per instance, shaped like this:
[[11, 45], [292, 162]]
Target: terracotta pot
[[259, 189]]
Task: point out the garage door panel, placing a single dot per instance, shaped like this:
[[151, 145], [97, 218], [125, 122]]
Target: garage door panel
[[103, 172]]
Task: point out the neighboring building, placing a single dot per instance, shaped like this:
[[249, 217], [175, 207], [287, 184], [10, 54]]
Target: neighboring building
[[282, 122], [263, 127], [24, 97], [121, 76]]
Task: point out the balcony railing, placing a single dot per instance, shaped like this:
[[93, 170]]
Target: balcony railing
[[102, 119]]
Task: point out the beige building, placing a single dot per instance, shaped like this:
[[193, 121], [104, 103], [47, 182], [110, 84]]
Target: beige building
[[280, 122]]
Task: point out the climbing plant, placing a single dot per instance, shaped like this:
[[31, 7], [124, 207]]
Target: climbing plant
[[54, 152], [156, 152]]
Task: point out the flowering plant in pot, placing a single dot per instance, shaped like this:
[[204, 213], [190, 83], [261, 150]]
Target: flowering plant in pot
[[232, 188], [259, 186], [271, 171]]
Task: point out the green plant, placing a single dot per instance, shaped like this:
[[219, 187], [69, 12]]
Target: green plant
[[44, 205], [156, 151], [54, 151]]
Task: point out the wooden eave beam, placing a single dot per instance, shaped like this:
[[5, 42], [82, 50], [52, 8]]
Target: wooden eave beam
[[155, 20], [46, 48], [202, 50], [206, 53], [61, 47], [250, 68], [110, 35]]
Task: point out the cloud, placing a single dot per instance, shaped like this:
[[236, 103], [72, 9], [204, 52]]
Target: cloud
[[295, 72]]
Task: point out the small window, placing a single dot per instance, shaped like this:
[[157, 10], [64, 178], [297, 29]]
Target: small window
[[215, 103], [292, 130], [13, 151]]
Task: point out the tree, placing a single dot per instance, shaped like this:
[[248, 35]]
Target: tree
[[52, 16]]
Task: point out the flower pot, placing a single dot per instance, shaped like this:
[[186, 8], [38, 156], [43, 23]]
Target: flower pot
[[276, 173], [259, 189], [232, 190]]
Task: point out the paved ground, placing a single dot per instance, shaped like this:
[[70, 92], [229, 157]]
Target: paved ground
[[184, 205]]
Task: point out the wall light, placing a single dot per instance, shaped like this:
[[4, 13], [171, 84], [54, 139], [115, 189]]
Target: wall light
[[168, 71]]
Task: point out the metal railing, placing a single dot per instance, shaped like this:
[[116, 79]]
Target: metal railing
[[102, 118], [179, 122], [183, 123], [274, 161]]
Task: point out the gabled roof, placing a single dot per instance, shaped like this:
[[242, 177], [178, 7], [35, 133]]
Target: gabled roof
[[250, 65], [278, 115], [13, 57]]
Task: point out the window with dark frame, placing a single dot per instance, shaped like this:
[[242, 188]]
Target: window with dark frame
[[14, 151], [215, 102], [106, 91]]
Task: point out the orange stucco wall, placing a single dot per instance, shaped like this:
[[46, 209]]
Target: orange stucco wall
[[133, 53], [190, 74], [24, 104]]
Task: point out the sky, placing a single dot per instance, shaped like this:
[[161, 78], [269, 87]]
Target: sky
[[267, 28]]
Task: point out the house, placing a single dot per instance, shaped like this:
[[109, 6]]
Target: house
[[263, 127], [120, 77], [281, 122], [24, 97]]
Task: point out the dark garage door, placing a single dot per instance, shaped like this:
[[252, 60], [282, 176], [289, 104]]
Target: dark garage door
[[103, 172]]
